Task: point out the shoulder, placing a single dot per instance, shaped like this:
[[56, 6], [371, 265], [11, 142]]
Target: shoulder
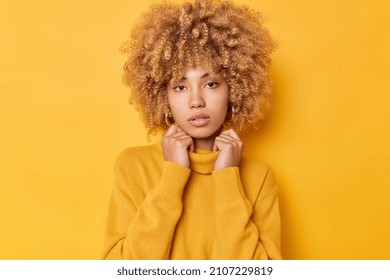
[[139, 168], [253, 165], [139, 155], [259, 175], [139, 152]]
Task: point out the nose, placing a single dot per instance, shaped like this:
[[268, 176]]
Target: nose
[[196, 99]]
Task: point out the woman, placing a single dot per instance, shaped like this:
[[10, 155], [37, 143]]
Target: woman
[[200, 71]]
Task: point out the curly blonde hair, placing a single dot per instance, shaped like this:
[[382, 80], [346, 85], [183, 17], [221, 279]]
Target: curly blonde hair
[[225, 38]]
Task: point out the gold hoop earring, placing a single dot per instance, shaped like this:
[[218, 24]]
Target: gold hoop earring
[[167, 116]]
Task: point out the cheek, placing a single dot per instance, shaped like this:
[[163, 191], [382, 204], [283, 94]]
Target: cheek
[[176, 107], [169, 98], [223, 105], [172, 102]]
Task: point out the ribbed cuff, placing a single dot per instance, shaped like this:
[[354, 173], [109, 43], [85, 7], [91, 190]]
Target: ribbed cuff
[[174, 179]]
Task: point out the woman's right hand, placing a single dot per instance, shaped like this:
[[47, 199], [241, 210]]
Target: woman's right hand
[[175, 146]]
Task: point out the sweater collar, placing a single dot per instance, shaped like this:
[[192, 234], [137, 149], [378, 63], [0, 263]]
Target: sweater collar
[[202, 161]]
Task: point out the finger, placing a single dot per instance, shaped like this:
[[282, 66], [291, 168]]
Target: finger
[[231, 133], [185, 141], [178, 134], [171, 130], [182, 137], [219, 144], [228, 138], [227, 142], [222, 141], [180, 129], [189, 143]]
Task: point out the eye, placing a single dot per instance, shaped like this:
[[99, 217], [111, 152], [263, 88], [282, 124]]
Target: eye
[[179, 88], [212, 85]]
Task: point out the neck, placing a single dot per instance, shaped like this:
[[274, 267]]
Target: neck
[[206, 143]]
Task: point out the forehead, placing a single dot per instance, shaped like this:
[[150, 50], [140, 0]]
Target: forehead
[[194, 72]]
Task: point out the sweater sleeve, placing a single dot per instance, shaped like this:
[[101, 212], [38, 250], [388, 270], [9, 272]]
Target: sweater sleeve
[[243, 230], [146, 231]]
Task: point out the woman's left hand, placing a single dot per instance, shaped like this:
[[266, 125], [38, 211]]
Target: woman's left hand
[[230, 147]]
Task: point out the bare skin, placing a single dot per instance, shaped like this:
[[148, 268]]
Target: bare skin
[[230, 149], [198, 102], [176, 144]]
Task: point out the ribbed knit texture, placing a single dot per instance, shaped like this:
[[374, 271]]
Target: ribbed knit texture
[[203, 161], [161, 210]]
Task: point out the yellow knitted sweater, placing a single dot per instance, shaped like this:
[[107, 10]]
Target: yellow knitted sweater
[[161, 210]]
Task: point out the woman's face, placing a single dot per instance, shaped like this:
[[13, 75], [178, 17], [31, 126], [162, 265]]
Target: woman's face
[[198, 102]]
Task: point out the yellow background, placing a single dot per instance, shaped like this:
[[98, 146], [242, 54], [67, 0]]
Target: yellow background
[[64, 118]]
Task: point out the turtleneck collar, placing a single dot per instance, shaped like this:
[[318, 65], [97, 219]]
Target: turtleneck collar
[[202, 161]]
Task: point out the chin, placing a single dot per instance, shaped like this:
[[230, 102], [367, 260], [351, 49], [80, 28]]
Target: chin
[[202, 133]]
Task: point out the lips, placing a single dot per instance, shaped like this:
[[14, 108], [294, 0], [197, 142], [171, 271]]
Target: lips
[[199, 120], [198, 116]]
